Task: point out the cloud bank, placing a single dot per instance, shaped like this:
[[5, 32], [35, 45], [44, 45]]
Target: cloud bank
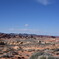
[[45, 2], [25, 30], [26, 25]]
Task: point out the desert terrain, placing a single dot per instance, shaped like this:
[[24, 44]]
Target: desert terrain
[[26, 46]]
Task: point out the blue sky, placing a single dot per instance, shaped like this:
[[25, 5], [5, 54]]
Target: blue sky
[[29, 16]]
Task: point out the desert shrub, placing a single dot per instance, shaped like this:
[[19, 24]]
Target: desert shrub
[[2, 43], [53, 58], [56, 50], [42, 57], [35, 55], [14, 53], [30, 50], [21, 58], [27, 55]]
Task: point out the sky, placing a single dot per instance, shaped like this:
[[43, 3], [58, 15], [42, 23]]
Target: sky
[[29, 16]]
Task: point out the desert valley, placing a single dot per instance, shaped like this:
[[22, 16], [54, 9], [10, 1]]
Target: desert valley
[[28, 46]]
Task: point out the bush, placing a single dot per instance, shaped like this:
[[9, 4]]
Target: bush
[[53, 58], [42, 57], [35, 55]]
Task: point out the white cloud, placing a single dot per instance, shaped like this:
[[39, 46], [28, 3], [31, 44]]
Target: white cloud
[[11, 29], [25, 30], [26, 25], [45, 2]]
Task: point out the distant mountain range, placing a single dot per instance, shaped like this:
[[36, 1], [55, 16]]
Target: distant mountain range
[[13, 35]]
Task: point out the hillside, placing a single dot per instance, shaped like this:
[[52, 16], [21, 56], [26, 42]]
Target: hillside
[[23, 46]]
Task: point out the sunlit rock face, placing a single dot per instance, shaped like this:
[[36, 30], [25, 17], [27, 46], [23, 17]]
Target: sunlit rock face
[[16, 47]]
